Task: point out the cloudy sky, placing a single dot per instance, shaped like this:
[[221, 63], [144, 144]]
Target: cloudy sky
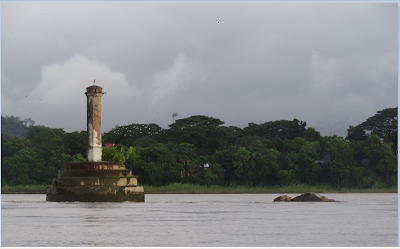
[[329, 64]]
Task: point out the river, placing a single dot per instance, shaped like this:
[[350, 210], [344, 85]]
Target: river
[[201, 220]]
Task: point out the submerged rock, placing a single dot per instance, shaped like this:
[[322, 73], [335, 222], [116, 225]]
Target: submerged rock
[[283, 198], [310, 196]]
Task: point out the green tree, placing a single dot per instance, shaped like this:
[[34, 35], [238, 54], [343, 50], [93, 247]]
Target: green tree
[[185, 153], [380, 158], [144, 142], [246, 141], [312, 135], [214, 175], [78, 158], [128, 134], [207, 172], [342, 160], [25, 168], [15, 169], [301, 156], [14, 126], [266, 162], [200, 170], [159, 165], [11, 145], [205, 133], [225, 159], [356, 133], [283, 128], [75, 143], [117, 156], [287, 177], [244, 167], [47, 143], [383, 124], [233, 133]]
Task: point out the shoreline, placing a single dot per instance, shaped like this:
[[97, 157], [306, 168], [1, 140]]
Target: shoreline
[[179, 188]]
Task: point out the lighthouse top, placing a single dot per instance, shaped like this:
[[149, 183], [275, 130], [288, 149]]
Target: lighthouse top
[[94, 89]]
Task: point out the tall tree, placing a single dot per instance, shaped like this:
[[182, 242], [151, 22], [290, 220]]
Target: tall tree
[[383, 124], [25, 168], [283, 128], [266, 163], [233, 133], [380, 158], [159, 165], [128, 134], [205, 133], [244, 167], [185, 153], [11, 145], [342, 160], [75, 143], [14, 126], [301, 156], [48, 144], [225, 159]]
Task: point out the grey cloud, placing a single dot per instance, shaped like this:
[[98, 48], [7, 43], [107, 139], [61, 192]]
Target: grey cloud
[[322, 63]]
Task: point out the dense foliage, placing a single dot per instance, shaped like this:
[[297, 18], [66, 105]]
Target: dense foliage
[[14, 126], [200, 150]]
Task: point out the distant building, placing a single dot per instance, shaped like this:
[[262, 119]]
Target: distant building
[[108, 145]]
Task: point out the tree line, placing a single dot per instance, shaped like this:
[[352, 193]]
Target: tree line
[[201, 150]]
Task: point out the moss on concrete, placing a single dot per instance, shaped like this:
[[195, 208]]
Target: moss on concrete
[[94, 194], [95, 182]]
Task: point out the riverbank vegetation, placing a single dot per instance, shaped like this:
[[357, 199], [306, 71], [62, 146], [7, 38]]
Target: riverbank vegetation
[[179, 188], [26, 189], [186, 188], [199, 154]]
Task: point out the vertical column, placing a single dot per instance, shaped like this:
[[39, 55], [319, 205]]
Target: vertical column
[[94, 94]]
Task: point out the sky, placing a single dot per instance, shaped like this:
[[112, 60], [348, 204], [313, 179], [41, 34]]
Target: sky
[[329, 64]]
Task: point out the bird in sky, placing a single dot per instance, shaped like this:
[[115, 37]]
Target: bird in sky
[[94, 81]]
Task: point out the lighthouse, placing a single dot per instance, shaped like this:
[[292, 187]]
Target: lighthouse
[[94, 180], [94, 151]]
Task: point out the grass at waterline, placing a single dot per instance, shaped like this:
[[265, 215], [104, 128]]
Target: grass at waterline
[[27, 189], [179, 188]]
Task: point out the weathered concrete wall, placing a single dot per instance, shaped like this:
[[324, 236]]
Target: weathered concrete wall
[[94, 173], [95, 193], [95, 181], [92, 165], [94, 150]]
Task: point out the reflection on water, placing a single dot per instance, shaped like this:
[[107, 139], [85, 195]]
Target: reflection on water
[[92, 219], [201, 220]]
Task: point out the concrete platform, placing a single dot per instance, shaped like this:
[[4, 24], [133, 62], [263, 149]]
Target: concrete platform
[[92, 165], [86, 172], [95, 182], [95, 194]]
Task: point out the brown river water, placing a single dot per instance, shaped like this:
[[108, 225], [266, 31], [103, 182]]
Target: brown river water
[[201, 220]]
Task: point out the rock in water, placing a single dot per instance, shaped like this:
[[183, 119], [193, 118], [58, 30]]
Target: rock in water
[[310, 196], [283, 198]]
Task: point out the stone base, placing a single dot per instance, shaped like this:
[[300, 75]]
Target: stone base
[[95, 182], [95, 194]]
